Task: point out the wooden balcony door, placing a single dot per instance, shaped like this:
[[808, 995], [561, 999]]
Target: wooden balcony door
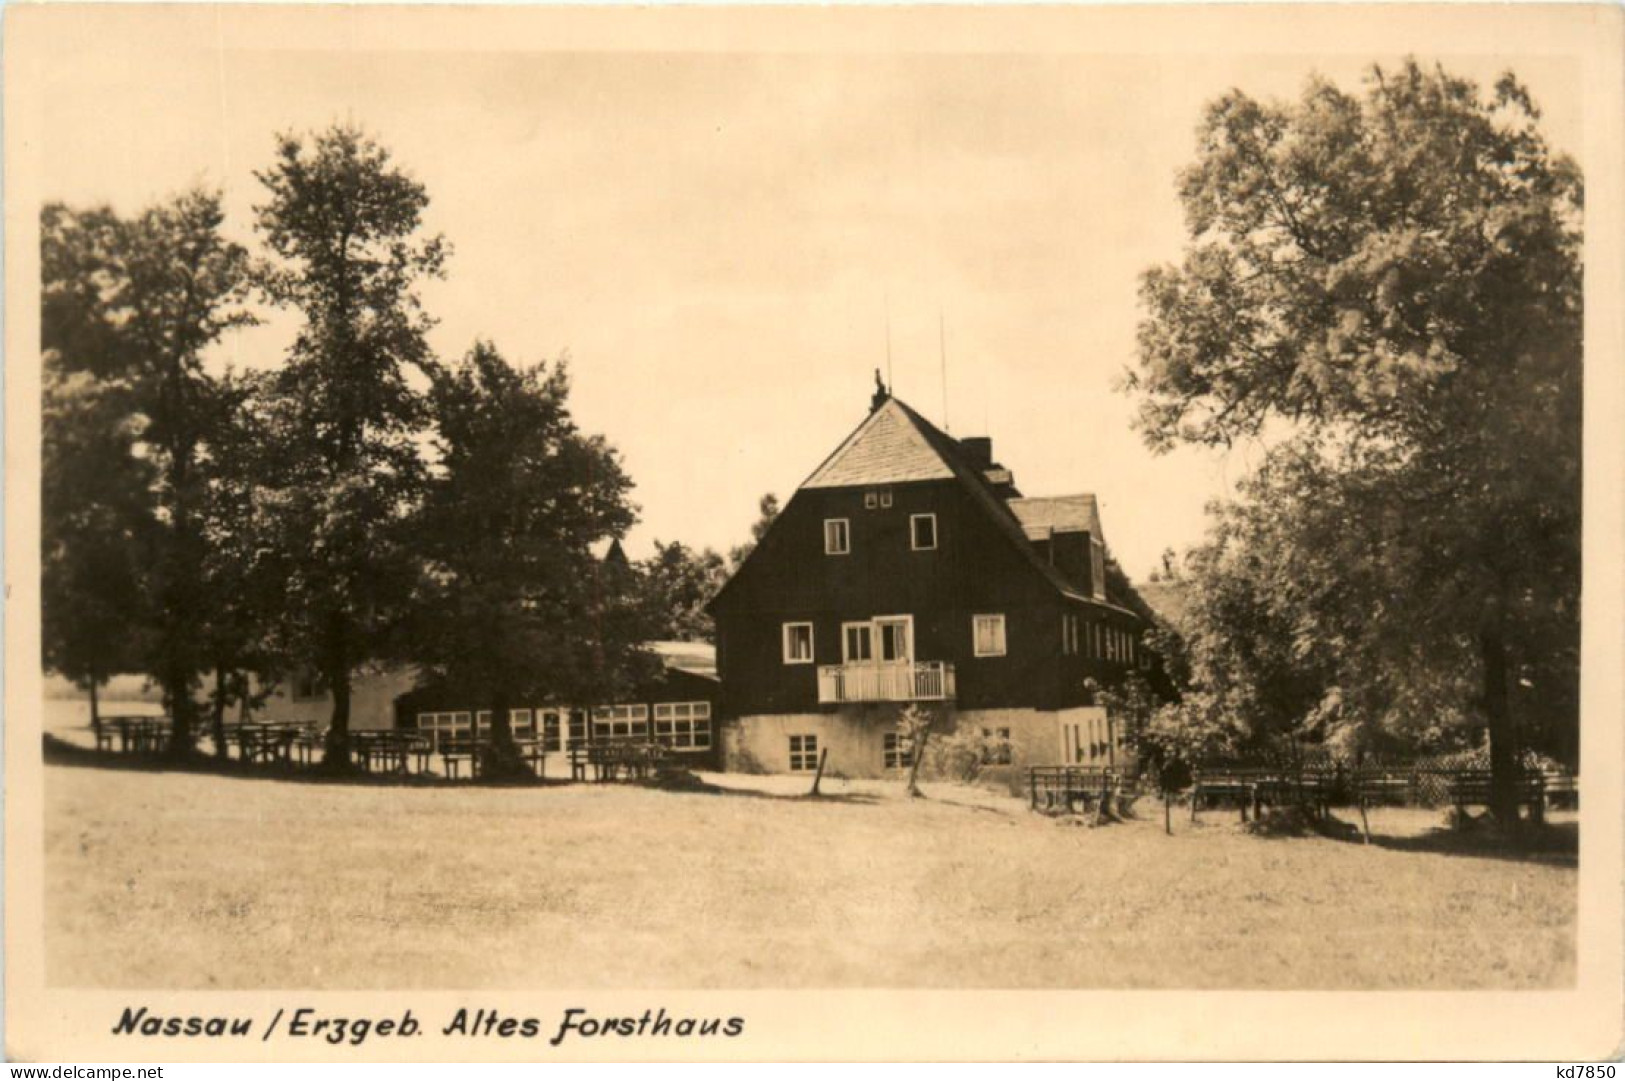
[[894, 639]]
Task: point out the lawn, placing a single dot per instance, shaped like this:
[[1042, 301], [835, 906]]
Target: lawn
[[199, 881]]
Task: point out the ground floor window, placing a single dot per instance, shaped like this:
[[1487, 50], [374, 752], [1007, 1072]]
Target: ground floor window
[[552, 730], [684, 726], [620, 722], [894, 753], [523, 723], [445, 725], [803, 754], [995, 746]]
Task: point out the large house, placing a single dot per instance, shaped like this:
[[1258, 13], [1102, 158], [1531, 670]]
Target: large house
[[908, 568]]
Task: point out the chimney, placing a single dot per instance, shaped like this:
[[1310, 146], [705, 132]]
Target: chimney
[[978, 450]]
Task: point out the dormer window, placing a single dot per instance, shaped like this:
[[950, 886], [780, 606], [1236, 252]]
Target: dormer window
[[922, 530], [837, 537], [877, 499]]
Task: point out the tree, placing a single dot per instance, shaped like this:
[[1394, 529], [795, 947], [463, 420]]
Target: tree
[[243, 574], [1394, 279], [96, 523], [514, 607], [341, 473], [767, 510], [677, 583], [138, 303]]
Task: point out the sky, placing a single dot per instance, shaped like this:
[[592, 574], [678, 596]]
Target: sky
[[727, 242]]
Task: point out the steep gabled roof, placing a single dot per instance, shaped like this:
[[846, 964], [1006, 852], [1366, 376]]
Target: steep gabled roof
[[887, 448], [1058, 514], [975, 483], [895, 445]]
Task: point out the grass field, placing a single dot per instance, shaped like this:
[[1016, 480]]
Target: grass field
[[194, 881]]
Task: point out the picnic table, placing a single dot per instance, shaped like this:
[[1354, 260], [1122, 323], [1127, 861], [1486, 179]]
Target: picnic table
[[457, 751], [613, 760], [137, 734], [268, 742], [390, 751]]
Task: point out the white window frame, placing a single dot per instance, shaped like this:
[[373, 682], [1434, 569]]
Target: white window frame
[[1097, 568], [976, 638], [812, 649], [803, 752], [684, 726], [871, 499], [879, 638], [885, 498], [913, 537], [845, 535], [895, 751], [621, 721], [846, 653]]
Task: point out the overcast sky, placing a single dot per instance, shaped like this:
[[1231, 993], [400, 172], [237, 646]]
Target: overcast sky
[[716, 237]]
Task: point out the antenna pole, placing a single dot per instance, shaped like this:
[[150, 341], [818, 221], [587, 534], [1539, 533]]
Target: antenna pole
[[942, 345], [889, 381]]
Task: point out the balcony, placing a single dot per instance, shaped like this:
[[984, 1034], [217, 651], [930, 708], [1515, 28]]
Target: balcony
[[907, 681]]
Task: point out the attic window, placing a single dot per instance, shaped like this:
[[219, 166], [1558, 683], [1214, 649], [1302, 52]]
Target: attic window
[[1097, 567]]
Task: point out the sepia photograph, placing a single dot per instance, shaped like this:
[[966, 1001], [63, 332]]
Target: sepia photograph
[[648, 509]]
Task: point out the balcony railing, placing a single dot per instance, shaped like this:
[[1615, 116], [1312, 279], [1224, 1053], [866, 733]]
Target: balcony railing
[[909, 681]]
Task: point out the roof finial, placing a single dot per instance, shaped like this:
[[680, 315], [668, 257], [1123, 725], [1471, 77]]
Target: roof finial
[[880, 395]]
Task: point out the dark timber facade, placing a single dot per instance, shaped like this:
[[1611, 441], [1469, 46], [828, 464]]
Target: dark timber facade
[[909, 568]]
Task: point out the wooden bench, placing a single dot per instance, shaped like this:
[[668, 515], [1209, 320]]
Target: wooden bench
[[1471, 788], [456, 751], [1242, 787], [1561, 790], [1067, 789]]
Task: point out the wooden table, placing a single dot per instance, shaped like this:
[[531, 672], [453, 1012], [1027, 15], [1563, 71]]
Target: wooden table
[[390, 751]]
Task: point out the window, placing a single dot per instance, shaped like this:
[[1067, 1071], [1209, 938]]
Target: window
[[803, 754], [620, 722], [896, 750], [683, 726], [871, 500], [885, 498], [482, 720], [857, 642], [308, 683], [798, 643], [996, 747], [895, 635], [1069, 634], [922, 532], [837, 537], [522, 723], [989, 635], [552, 734], [1097, 567]]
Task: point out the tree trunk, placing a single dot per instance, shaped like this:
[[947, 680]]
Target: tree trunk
[[914, 766], [500, 755], [183, 712], [1504, 766], [336, 755], [95, 713], [218, 721]]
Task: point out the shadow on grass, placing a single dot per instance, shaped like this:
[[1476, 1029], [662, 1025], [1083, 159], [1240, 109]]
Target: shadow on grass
[[59, 752], [705, 788], [1554, 844]]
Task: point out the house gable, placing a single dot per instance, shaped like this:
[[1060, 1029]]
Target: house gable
[[887, 448]]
